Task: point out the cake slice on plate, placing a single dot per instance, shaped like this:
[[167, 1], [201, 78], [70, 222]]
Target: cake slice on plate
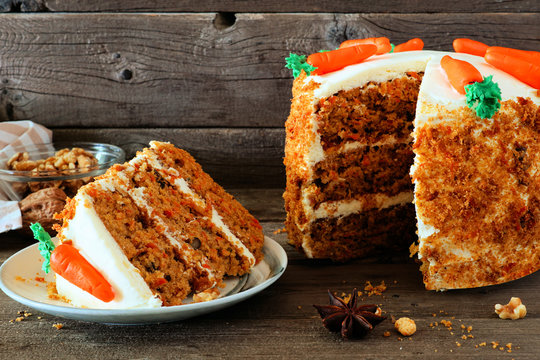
[[157, 228]]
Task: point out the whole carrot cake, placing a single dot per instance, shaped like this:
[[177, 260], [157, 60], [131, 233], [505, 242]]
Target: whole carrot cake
[[385, 152], [158, 228]]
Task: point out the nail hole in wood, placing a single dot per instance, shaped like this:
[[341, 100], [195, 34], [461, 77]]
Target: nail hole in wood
[[224, 20], [126, 74]]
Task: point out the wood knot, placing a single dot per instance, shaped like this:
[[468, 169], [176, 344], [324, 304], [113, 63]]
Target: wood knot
[[224, 20], [126, 74]]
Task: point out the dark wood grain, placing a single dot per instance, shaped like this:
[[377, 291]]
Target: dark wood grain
[[281, 322], [246, 157], [339, 6], [179, 70]]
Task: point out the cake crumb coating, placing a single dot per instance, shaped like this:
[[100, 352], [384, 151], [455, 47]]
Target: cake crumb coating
[[478, 188]]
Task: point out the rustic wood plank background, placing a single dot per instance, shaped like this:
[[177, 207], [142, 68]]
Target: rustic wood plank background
[[206, 75]]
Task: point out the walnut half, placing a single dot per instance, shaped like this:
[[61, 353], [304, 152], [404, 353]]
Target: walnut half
[[40, 206], [513, 310]]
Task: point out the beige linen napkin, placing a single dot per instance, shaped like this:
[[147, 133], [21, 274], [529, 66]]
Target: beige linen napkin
[[14, 134]]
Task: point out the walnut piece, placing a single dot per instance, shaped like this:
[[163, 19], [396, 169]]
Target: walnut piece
[[64, 159], [40, 206], [513, 310], [405, 326]]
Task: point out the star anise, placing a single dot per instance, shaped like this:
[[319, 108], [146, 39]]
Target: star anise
[[349, 318]]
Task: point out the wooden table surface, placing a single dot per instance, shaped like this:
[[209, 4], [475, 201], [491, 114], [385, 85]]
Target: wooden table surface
[[281, 322]]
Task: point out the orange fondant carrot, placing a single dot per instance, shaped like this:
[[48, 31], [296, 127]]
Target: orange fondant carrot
[[382, 43], [470, 47], [529, 56], [460, 73], [67, 262], [329, 61], [525, 66], [411, 45]]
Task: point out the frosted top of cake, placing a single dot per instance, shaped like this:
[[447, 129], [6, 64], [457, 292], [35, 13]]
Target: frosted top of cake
[[435, 87]]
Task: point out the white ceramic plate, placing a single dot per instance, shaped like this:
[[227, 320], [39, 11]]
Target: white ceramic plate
[[18, 274]]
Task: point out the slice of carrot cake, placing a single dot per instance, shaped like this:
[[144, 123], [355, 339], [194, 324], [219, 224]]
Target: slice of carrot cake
[[158, 228]]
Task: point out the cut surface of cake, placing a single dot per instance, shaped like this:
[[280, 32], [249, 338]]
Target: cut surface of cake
[[352, 137], [158, 228], [348, 155]]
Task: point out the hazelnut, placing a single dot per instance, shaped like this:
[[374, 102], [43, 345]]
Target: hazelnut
[[405, 326], [513, 310]]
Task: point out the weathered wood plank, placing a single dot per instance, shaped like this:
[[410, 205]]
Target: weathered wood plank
[[281, 322], [339, 6], [179, 70], [233, 157]]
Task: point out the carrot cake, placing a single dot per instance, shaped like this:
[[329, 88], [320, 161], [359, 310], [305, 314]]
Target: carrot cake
[[375, 145], [158, 228]]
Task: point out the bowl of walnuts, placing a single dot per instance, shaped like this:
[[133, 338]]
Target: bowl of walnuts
[[41, 176]]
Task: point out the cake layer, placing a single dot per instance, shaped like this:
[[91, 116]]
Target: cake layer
[[370, 113], [366, 170], [357, 234]]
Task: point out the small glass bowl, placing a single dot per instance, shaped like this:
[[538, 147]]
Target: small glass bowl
[[15, 184]]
